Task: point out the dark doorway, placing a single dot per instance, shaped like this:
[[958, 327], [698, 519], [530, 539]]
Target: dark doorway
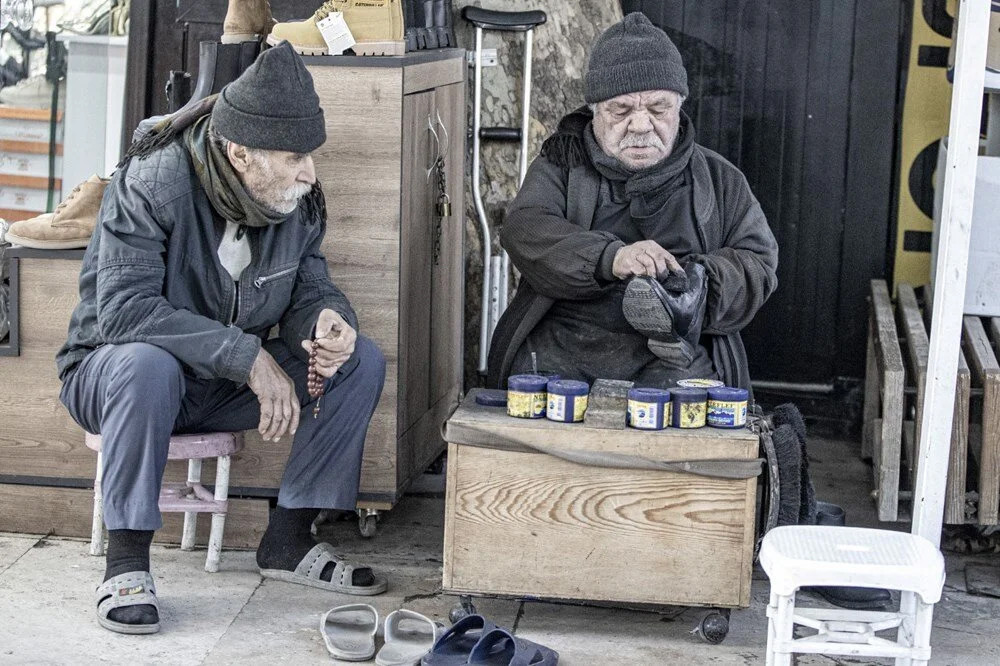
[[802, 96]]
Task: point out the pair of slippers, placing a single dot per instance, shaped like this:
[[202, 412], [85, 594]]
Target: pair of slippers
[[474, 640], [349, 633]]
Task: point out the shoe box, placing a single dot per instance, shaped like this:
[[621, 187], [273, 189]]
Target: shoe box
[[24, 161]]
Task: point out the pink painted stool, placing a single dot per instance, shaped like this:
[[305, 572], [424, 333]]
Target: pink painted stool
[[189, 498]]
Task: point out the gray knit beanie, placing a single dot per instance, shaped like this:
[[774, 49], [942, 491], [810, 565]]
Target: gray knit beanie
[[631, 56], [272, 105]]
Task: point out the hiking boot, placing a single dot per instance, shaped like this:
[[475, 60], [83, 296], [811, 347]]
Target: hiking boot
[[69, 226], [377, 27], [32, 93], [247, 21]]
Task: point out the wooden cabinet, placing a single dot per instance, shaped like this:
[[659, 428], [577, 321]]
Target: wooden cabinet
[[386, 125], [380, 245]]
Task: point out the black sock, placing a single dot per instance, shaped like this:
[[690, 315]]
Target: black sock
[[287, 540], [128, 550]]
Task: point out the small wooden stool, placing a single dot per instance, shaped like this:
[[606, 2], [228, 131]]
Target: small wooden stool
[[189, 498]]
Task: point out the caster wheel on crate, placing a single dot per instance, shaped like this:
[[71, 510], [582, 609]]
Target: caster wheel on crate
[[368, 525], [438, 466], [714, 627], [463, 610]]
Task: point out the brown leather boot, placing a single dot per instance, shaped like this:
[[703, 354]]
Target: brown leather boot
[[69, 226], [247, 21]]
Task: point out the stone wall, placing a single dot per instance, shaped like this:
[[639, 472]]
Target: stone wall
[[560, 50]]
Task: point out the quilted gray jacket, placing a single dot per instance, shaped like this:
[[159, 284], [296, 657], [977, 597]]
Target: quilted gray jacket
[[152, 274]]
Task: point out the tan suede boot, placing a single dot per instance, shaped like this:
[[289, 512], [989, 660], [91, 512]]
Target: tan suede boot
[[246, 21], [69, 226], [377, 26]]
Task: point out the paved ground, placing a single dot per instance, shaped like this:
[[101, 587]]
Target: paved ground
[[47, 617]]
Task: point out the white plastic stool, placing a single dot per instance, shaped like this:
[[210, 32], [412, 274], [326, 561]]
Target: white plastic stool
[[798, 556], [189, 498]]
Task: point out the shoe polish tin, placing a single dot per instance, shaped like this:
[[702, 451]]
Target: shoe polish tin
[[649, 408], [727, 407], [690, 407], [567, 400], [700, 383], [526, 396]]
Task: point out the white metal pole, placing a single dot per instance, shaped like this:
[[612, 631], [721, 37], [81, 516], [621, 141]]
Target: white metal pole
[[484, 319], [950, 272]]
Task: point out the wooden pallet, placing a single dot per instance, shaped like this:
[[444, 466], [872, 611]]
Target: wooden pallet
[[895, 377]]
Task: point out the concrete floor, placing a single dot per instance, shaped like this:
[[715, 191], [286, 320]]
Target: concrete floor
[[47, 616]]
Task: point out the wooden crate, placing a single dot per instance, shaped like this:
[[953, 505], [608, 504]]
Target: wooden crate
[[894, 384], [528, 524]]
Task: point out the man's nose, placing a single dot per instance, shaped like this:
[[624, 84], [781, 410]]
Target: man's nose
[[640, 123], [308, 173]]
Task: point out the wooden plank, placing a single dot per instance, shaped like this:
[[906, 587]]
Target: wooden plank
[[530, 524], [873, 380], [359, 167], [917, 344], [33, 147], [887, 449], [21, 113], [987, 370], [416, 245], [33, 182], [68, 512], [433, 74], [12, 215], [422, 443]]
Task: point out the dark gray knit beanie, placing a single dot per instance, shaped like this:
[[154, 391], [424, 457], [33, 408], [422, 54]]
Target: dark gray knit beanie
[[631, 56], [272, 105]]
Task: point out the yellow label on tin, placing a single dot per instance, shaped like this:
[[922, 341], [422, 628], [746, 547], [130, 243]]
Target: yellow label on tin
[[692, 414], [557, 407], [526, 405]]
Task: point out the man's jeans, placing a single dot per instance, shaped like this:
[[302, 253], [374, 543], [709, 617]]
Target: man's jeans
[[136, 395]]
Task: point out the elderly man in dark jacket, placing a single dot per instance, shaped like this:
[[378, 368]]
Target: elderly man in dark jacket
[[622, 197], [207, 238]]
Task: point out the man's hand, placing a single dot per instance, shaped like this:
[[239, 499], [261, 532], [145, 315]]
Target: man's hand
[[643, 258], [279, 405], [336, 342]]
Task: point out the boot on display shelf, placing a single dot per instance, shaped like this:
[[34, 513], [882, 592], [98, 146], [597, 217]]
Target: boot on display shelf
[[32, 93], [247, 21], [69, 226], [377, 27]]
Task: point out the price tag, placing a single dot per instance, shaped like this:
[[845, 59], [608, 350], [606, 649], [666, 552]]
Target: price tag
[[335, 33]]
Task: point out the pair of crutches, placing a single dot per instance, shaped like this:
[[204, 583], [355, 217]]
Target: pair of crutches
[[496, 268]]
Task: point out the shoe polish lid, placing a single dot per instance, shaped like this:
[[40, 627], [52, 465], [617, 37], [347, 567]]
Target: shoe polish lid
[[727, 394], [527, 383], [649, 395], [700, 383], [568, 387]]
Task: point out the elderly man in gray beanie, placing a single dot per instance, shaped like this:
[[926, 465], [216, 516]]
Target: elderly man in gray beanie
[[208, 236], [642, 254]]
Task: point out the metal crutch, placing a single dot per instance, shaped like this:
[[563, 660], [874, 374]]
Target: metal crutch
[[496, 268]]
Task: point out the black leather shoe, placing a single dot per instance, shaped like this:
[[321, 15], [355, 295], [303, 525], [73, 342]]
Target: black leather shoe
[[855, 598]]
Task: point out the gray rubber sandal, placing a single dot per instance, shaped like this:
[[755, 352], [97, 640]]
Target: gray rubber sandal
[[311, 567], [349, 631], [502, 648], [134, 588], [408, 637]]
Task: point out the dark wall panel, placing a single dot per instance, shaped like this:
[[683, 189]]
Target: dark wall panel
[[802, 97]]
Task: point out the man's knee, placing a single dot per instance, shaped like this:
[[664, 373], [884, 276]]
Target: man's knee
[[371, 361], [146, 366]]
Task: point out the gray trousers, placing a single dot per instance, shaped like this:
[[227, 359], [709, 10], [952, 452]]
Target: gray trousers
[[136, 395]]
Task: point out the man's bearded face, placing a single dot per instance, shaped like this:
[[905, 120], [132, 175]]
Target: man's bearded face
[[278, 179], [638, 129]]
